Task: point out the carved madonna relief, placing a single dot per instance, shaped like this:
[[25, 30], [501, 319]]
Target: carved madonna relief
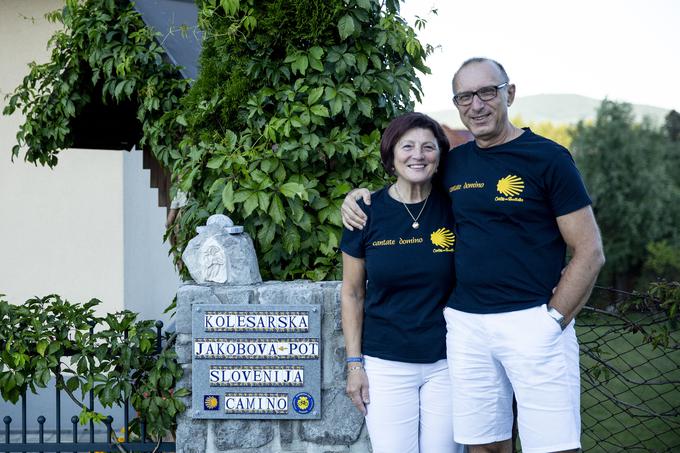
[[221, 253], [213, 262]]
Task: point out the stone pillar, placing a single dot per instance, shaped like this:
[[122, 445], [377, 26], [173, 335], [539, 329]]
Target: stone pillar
[[219, 254]]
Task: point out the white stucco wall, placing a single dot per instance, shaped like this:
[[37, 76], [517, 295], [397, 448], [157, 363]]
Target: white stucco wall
[[61, 230], [76, 230], [150, 278]]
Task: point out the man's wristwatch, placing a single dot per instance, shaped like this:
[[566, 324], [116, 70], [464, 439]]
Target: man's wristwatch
[[557, 316]]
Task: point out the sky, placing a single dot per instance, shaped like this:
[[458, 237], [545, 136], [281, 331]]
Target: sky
[[625, 50]]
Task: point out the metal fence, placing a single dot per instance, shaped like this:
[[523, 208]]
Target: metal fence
[[75, 438], [630, 377], [630, 392]]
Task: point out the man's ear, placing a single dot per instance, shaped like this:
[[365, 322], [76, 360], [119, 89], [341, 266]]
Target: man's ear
[[511, 94]]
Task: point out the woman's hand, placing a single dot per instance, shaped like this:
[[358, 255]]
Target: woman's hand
[[357, 387], [352, 215]]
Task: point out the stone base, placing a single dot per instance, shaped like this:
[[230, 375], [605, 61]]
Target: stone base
[[341, 428]]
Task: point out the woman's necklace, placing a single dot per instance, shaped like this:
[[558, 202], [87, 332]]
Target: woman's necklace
[[415, 223]]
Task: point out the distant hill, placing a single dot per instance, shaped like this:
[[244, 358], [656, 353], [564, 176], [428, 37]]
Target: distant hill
[[556, 108]]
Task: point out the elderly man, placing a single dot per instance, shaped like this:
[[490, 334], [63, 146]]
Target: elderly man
[[519, 203]]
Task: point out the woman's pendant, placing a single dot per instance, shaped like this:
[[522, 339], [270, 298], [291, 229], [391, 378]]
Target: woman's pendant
[[415, 225]]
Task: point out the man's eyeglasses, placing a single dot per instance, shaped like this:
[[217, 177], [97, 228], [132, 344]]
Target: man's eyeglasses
[[484, 93]]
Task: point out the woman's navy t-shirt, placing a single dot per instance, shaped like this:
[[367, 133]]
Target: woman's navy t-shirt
[[410, 274]]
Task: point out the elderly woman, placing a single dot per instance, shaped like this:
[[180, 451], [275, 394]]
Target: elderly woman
[[397, 276]]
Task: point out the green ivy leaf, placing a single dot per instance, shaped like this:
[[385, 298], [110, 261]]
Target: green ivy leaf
[[346, 26], [263, 200], [320, 110], [316, 52], [250, 204], [230, 7], [276, 210], [266, 234], [362, 63], [336, 105], [268, 165], [216, 162], [300, 64], [228, 196], [305, 222], [181, 393], [41, 347], [72, 383], [341, 189], [291, 189], [314, 95], [230, 140], [314, 55], [291, 239], [365, 106], [315, 64]]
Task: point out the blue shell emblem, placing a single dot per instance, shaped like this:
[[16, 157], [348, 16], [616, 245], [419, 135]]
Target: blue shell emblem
[[303, 403]]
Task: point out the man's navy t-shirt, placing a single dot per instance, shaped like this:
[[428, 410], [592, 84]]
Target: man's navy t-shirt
[[505, 199], [410, 274]]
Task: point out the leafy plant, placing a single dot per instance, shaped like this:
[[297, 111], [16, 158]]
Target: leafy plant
[[286, 117], [103, 52], [661, 301], [663, 259], [114, 356]]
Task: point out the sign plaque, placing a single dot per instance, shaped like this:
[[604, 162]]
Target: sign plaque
[[256, 361]]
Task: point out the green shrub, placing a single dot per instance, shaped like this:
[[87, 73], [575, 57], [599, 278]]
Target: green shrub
[[104, 53], [286, 117], [49, 337]]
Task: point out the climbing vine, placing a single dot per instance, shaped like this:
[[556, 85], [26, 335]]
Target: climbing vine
[[103, 51], [286, 117]]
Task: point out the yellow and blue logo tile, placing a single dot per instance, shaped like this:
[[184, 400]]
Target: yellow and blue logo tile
[[303, 403]]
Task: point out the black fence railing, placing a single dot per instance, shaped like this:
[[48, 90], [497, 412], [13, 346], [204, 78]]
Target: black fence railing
[[75, 438], [630, 381], [630, 376], [630, 393]]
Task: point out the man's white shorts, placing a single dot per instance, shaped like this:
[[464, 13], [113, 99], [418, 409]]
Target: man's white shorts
[[525, 351]]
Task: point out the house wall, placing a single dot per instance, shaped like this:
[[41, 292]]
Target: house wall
[[61, 229], [90, 227], [150, 277]]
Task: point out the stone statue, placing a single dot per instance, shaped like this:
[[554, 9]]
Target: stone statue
[[222, 253]]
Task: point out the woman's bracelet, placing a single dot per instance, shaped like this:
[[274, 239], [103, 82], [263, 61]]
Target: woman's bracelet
[[358, 359], [355, 367]]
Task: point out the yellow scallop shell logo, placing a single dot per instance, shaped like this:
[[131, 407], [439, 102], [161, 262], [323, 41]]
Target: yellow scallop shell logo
[[443, 238], [210, 402], [510, 186]]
